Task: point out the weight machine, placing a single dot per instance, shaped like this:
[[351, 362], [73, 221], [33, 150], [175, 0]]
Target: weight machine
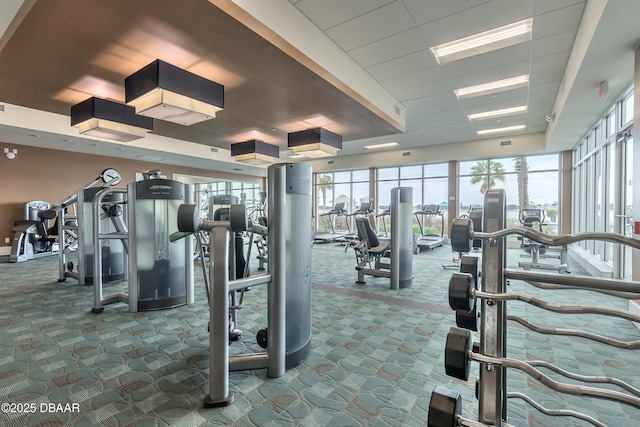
[[484, 309], [399, 250], [160, 273], [32, 236], [287, 338], [534, 218], [75, 219]]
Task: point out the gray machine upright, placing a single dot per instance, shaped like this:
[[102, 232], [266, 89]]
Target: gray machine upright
[[401, 237], [290, 227]]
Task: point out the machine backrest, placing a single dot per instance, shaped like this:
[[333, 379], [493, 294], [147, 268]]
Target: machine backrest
[[366, 233], [221, 214]]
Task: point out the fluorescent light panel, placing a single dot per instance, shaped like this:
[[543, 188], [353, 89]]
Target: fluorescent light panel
[[492, 87], [497, 38], [498, 113], [501, 130], [382, 145]]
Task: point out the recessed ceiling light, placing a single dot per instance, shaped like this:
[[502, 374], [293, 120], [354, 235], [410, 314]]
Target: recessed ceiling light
[[492, 87], [498, 113], [381, 145], [297, 156], [497, 38], [95, 145], [120, 148], [501, 130], [34, 135]]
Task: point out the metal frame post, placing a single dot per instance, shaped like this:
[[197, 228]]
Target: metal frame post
[[491, 387], [219, 394]]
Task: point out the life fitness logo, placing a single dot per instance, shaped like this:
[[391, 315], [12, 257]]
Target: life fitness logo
[[160, 189]]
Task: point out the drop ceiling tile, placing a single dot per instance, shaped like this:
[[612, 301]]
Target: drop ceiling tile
[[402, 66], [544, 6], [433, 108], [547, 76], [428, 11], [542, 98], [549, 62], [392, 47], [447, 96], [551, 87], [559, 21], [370, 27], [556, 43], [329, 13]]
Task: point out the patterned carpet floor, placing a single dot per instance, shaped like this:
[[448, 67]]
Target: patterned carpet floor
[[376, 354]]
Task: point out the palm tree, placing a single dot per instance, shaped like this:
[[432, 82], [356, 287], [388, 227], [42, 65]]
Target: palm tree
[[324, 183], [522, 170], [488, 176]]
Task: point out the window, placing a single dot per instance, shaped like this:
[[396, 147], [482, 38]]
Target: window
[[627, 109], [348, 187], [601, 180], [528, 182]]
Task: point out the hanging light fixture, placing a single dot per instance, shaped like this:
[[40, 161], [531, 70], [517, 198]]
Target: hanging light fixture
[[315, 142], [166, 92], [109, 120], [255, 152]]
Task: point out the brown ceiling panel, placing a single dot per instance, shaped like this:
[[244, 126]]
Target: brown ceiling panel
[[68, 50]]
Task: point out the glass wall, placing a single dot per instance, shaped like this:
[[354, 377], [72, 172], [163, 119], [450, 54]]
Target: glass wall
[[349, 188], [602, 179], [246, 192], [430, 188], [529, 182]]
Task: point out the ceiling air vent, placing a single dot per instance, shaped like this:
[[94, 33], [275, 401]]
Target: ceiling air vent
[[1, 108], [503, 143], [397, 109], [214, 150], [330, 162], [406, 153]]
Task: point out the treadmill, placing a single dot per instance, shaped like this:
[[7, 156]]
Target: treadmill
[[429, 241], [332, 236]]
